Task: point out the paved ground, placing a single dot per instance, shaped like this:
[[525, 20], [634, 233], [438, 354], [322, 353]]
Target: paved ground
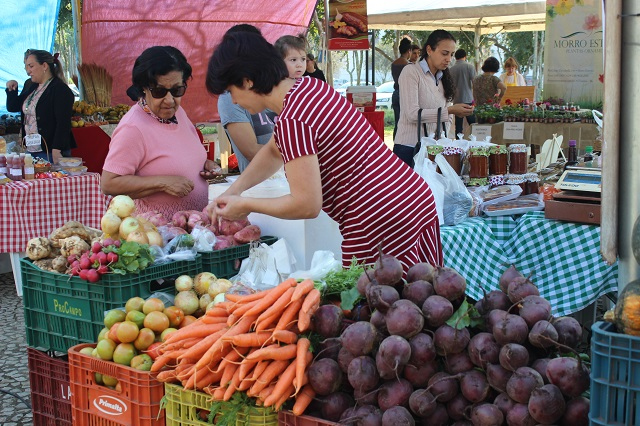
[[14, 372]]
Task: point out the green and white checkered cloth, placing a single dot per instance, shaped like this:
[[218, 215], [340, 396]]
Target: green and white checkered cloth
[[472, 249], [564, 258]]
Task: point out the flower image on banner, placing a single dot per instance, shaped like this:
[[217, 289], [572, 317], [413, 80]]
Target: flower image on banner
[[574, 57]]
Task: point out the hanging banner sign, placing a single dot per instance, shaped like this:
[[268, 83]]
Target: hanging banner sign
[[348, 28], [573, 55]]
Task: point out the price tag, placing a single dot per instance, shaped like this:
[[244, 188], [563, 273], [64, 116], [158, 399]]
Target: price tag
[[513, 130], [33, 142], [481, 132]]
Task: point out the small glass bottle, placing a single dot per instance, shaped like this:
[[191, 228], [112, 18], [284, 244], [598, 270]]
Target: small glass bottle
[[29, 172], [588, 156], [16, 169], [572, 158]]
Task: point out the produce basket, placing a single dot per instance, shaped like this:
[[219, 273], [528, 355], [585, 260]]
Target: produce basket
[[50, 389], [138, 402], [62, 311], [287, 418], [225, 263], [615, 377], [187, 407]]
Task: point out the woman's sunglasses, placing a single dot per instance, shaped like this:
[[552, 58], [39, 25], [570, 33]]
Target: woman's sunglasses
[[161, 92]]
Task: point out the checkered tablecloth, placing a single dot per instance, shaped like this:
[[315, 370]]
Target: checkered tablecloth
[[564, 258], [472, 249], [35, 208]]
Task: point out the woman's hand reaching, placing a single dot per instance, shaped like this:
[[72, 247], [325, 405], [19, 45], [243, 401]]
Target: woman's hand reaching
[[210, 170], [12, 85]]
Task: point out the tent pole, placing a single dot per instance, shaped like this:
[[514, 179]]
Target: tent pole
[[329, 53], [476, 44], [77, 39], [536, 95]]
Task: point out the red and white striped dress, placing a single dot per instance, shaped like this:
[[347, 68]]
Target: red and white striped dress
[[373, 195]]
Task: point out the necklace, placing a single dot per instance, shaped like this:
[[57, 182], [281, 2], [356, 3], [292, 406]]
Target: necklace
[[38, 90]]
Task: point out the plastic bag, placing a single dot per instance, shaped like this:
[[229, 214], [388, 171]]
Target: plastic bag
[[204, 239], [428, 170], [266, 266], [181, 247], [322, 263], [457, 200]]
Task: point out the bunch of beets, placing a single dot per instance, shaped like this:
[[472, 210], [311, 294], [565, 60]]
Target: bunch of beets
[[415, 361]]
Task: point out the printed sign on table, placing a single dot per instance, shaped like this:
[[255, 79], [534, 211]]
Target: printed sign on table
[[513, 130], [348, 28], [573, 54]]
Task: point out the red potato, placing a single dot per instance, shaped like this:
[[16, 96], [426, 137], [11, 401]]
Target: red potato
[[247, 234], [230, 227]]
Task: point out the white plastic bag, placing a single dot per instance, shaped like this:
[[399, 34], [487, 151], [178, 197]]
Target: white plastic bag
[[322, 263], [266, 266], [427, 169], [457, 200]]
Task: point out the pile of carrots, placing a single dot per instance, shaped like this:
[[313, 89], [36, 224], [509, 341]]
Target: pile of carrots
[[247, 343]]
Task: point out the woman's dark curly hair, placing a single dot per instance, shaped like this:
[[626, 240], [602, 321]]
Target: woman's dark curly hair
[[154, 62], [491, 64], [244, 55], [447, 81]]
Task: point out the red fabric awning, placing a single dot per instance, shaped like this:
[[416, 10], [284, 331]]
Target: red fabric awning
[[114, 33]]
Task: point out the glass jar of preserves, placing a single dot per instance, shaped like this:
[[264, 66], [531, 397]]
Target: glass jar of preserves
[[516, 180], [498, 160], [532, 185], [453, 155], [496, 180], [433, 150], [478, 162], [518, 162]]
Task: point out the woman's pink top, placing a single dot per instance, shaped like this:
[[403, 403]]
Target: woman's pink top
[[142, 146]]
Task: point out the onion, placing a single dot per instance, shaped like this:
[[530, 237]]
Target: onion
[[184, 283], [218, 299], [138, 237], [220, 285], [110, 223], [202, 281], [122, 205], [205, 299], [155, 239], [187, 301], [128, 225]]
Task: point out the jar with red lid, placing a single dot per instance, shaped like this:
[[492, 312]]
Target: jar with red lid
[[532, 185], [478, 162], [498, 160], [453, 155], [518, 162]]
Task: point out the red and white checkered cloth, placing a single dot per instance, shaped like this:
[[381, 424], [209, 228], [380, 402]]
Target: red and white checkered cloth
[[35, 208]]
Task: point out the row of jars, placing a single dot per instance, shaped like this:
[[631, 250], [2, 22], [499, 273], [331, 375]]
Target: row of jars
[[485, 161], [529, 182]]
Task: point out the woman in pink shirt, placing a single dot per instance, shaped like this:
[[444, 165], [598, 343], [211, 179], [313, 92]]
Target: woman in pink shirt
[[155, 153]]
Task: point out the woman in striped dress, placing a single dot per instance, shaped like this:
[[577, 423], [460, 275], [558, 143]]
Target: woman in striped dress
[[333, 160]]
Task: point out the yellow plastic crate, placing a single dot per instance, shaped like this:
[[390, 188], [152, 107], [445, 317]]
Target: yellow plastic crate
[[187, 407]]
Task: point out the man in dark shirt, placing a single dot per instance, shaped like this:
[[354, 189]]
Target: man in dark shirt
[[463, 73], [312, 68]]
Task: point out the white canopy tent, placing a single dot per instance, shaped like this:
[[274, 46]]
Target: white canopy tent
[[479, 16]]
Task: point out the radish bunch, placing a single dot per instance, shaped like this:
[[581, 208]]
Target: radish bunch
[[94, 263], [428, 356]]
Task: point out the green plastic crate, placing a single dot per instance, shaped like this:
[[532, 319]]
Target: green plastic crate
[[226, 263], [62, 311], [184, 407]]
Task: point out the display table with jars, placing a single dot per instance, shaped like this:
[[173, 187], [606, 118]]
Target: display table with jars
[[536, 133]]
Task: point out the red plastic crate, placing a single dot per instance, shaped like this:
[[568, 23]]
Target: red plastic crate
[[138, 403], [287, 418], [50, 389]]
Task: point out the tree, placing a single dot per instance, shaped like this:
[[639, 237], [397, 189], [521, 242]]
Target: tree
[[64, 41]]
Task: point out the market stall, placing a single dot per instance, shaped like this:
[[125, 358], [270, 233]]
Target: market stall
[[536, 133], [92, 145], [32, 208]]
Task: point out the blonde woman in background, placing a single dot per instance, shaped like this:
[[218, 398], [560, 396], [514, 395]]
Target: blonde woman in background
[[512, 77]]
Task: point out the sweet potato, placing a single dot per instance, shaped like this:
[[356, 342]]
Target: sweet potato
[[247, 234], [179, 219], [223, 242], [230, 227]]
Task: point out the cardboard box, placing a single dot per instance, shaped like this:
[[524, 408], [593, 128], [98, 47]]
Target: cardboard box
[[569, 211]]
